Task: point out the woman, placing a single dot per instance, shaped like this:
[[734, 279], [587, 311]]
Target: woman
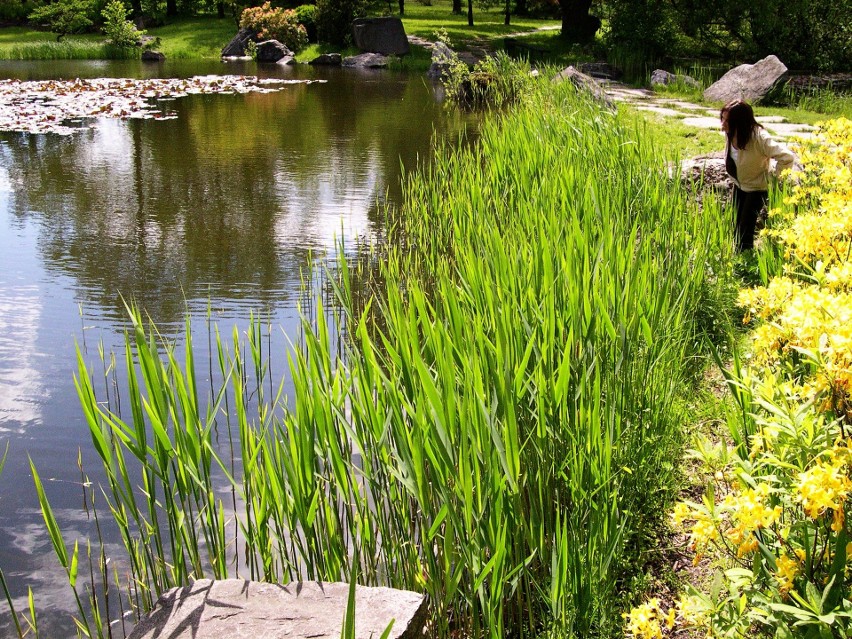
[[748, 149]]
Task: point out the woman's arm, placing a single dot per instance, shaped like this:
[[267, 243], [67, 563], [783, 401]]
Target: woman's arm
[[783, 156]]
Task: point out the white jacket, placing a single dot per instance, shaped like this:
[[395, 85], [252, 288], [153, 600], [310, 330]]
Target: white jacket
[[753, 161]]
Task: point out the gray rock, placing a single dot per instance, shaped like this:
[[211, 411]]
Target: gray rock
[[237, 46], [380, 35], [328, 59], [152, 56], [601, 70], [366, 61], [234, 608], [662, 77], [272, 51], [585, 83], [751, 82], [442, 57]]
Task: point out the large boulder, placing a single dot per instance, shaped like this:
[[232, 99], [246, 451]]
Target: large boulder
[[237, 608], [153, 56], [750, 82], [585, 83], [272, 51], [237, 46], [380, 35], [366, 61]]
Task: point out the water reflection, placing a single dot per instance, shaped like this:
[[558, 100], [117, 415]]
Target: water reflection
[[221, 210]]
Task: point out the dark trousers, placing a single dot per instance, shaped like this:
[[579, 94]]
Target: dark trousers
[[747, 205]]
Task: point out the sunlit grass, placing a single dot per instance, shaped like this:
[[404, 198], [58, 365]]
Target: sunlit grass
[[195, 38]]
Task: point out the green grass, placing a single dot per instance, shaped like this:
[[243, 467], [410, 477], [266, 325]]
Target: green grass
[[19, 43], [423, 21], [195, 38]]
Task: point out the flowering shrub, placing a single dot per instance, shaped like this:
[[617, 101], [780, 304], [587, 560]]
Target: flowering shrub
[[276, 24], [777, 509]]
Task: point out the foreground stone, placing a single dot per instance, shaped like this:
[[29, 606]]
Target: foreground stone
[[234, 608], [366, 61], [750, 82], [153, 56], [380, 35], [585, 83]]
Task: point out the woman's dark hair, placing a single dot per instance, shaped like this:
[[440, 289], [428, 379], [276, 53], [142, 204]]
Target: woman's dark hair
[[741, 122]]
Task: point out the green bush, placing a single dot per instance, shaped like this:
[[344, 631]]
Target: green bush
[[334, 19], [276, 24], [306, 15], [67, 16], [120, 31]]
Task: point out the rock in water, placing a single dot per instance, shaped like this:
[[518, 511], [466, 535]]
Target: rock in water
[[233, 608], [272, 51], [750, 82]]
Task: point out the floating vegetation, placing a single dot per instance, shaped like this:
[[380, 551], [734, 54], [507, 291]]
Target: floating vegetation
[[48, 106]]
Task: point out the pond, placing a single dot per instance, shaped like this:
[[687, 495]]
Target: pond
[[220, 211]]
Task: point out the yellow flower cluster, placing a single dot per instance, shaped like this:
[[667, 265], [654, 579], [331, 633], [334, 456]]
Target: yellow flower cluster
[[824, 487], [788, 569], [810, 318], [702, 531], [749, 514], [647, 620]]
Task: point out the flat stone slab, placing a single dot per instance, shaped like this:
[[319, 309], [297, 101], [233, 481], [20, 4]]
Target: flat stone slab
[[704, 122], [660, 110], [236, 608]]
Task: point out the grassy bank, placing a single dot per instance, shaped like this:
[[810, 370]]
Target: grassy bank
[[497, 427]]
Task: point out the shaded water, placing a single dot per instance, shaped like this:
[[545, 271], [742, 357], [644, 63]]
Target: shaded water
[[222, 210]]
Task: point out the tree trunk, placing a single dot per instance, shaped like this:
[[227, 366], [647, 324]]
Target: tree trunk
[[470, 13], [402, 7], [171, 8], [457, 7], [508, 12], [220, 9], [577, 24], [135, 8]]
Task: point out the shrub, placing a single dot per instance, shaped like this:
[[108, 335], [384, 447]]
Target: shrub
[[778, 508], [120, 31], [67, 16], [276, 24], [306, 15], [334, 19]]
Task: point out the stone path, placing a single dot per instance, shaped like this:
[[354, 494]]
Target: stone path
[[696, 115]]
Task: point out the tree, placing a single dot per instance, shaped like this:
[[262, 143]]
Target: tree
[[120, 31], [470, 13], [577, 24], [457, 9], [334, 19], [64, 16], [402, 7]]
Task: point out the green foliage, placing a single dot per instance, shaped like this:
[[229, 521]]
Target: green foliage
[[14, 10], [64, 16], [334, 19], [276, 24], [493, 82], [120, 31], [306, 15]]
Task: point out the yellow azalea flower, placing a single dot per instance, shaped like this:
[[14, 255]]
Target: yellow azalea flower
[[692, 611], [825, 486], [643, 622], [786, 573]]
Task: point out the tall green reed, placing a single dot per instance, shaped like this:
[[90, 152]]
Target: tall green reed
[[68, 50], [497, 428]]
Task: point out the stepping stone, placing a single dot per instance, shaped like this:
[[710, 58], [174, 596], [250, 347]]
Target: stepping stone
[[236, 608], [703, 122], [660, 110]]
